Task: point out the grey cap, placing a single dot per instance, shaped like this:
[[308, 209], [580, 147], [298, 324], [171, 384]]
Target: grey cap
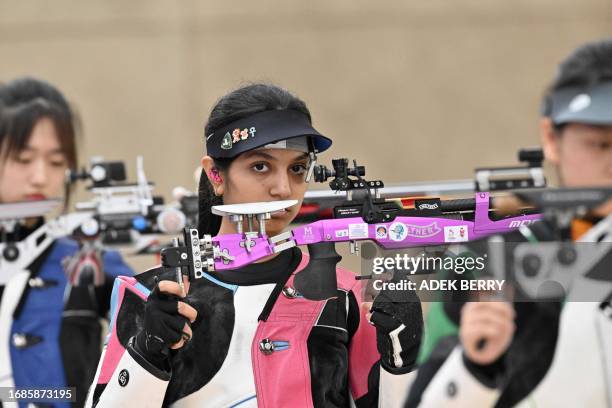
[[592, 105]]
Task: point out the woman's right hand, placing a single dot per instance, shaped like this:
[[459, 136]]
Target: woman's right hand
[[486, 330], [167, 321]]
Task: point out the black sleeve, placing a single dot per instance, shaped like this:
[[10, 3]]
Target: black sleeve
[[353, 316], [370, 399]]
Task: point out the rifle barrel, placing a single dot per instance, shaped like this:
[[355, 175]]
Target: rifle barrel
[[457, 205], [399, 191]]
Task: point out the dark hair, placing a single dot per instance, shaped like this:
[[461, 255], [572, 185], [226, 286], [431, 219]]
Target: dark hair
[[588, 65], [23, 102], [240, 103]]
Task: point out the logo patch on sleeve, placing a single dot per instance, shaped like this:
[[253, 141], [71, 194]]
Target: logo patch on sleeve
[[124, 378]]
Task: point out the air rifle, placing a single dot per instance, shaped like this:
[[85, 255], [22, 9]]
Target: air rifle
[[319, 204], [118, 213], [363, 216]]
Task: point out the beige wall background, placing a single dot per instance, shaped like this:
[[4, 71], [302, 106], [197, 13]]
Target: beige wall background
[[414, 90]]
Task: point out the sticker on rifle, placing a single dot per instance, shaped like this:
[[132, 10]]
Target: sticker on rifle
[[342, 233], [308, 234], [381, 231], [422, 231], [518, 224], [427, 206], [457, 233], [398, 231], [358, 231]]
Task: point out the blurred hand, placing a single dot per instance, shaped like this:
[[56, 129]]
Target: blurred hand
[[486, 330]]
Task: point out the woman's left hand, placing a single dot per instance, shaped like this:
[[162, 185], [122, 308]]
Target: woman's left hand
[[398, 319]]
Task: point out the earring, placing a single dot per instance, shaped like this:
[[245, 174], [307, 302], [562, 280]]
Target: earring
[[214, 174]]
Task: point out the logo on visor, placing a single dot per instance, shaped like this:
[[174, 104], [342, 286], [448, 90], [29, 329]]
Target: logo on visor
[[236, 136], [580, 102], [226, 143]]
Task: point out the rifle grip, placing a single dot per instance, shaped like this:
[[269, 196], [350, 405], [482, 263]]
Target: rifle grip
[[317, 281]]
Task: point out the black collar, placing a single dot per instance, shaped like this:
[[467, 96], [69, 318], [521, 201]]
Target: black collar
[[271, 271]]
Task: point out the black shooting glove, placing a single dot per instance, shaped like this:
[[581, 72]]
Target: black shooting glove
[[163, 327], [398, 319]]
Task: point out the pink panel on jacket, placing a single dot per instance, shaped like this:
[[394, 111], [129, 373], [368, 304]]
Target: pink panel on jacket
[[288, 370], [291, 320], [114, 349]]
